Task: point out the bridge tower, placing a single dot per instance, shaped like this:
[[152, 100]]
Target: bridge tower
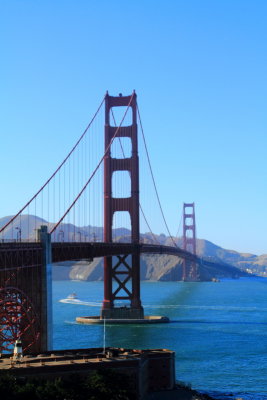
[[122, 272], [189, 241]]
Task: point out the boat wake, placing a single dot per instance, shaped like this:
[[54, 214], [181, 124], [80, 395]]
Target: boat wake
[[80, 302]]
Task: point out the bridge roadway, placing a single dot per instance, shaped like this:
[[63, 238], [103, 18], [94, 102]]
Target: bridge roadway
[[22, 254]]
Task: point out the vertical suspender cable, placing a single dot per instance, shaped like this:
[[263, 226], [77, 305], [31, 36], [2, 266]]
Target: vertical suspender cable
[[56, 171], [153, 179], [140, 206], [95, 170]]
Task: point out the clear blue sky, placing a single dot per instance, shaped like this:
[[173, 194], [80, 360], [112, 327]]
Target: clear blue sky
[[199, 69]]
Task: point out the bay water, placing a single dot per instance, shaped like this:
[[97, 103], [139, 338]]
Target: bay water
[[218, 330]]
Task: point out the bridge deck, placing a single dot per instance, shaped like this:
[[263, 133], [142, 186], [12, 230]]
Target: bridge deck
[[18, 254]]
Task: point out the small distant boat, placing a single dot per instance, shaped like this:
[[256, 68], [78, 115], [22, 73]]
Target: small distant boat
[[72, 299]]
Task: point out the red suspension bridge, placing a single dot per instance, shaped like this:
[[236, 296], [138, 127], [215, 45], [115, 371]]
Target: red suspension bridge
[[73, 198]]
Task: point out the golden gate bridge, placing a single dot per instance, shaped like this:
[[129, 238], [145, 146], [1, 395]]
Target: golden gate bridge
[[72, 198]]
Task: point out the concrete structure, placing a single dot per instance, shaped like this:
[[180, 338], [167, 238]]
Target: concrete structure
[[148, 370]]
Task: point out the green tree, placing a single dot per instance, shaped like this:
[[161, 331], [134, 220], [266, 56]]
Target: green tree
[[103, 384], [108, 384]]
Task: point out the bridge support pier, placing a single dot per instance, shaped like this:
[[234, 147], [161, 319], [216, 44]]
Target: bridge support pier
[[46, 306], [122, 313]]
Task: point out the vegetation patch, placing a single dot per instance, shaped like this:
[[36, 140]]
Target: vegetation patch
[[99, 385]]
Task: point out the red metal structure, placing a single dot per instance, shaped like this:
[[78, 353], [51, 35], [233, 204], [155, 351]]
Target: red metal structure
[[121, 273], [22, 297], [18, 320], [25, 294], [189, 241]]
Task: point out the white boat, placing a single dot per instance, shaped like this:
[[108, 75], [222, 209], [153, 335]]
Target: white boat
[[72, 299]]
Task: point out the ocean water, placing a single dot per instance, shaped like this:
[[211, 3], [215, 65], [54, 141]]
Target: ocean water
[[218, 330]]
